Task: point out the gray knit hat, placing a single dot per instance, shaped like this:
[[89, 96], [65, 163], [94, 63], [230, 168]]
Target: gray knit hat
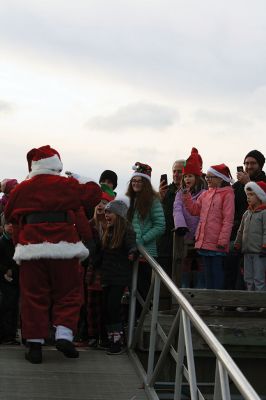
[[118, 207]]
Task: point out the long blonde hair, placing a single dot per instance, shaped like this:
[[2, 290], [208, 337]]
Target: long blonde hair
[[114, 235]]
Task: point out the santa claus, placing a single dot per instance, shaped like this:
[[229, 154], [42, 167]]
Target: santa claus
[[47, 213]]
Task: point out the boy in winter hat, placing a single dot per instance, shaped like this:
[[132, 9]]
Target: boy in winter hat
[[251, 236]]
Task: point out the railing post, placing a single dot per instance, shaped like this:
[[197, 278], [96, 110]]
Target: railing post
[[153, 335], [132, 304], [190, 357]]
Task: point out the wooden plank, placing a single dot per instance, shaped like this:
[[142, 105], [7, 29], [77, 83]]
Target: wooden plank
[[225, 298]]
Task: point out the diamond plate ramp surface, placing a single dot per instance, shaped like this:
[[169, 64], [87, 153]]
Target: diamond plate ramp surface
[[94, 376]]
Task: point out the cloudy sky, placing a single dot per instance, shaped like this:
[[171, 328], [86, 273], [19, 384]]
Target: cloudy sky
[[112, 82]]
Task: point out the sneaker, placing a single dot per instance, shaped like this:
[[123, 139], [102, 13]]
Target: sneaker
[[67, 348], [10, 342], [34, 354], [92, 342], [241, 309], [116, 349]]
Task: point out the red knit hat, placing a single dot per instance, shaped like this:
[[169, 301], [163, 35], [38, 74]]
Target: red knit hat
[[143, 170], [193, 165], [222, 171], [8, 184], [44, 160], [259, 188]]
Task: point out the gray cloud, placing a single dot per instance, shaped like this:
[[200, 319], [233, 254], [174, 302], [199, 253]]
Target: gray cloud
[[210, 117], [5, 107], [184, 47], [136, 115]]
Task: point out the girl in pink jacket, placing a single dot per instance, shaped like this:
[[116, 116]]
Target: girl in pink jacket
[[215, 207]]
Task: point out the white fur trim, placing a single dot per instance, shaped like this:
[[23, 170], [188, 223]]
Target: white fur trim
[[61, 250], [51, 163], [222, 176], [143, 175], [43, 171], [259, 192]]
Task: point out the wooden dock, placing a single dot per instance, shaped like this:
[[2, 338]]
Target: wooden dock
[[94, 376]]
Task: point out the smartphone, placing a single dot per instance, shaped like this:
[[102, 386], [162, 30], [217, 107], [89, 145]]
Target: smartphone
[[240, 168], [164, 178]]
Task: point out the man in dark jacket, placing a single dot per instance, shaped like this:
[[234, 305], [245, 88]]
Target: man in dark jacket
[[253, 164], [167, 196], [9, 288]]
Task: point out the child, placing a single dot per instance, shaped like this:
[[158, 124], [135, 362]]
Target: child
[[96, 331], [119, 249], [186, 224], [9, 287], [215, 208], [251, 236], [147, 217], [6, 186]]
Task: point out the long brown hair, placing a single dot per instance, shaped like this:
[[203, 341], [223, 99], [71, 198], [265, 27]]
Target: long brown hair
[[141, 201], [114, 235], [200, 184]]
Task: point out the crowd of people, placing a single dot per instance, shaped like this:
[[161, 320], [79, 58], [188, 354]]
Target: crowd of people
[[68, 245]]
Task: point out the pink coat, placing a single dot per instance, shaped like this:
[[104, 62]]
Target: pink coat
[[216, 209]]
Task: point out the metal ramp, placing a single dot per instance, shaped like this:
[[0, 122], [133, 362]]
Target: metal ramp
[[94, 376], [178, 344]]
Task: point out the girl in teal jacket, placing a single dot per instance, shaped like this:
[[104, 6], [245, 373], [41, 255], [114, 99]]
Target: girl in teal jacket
[[147, 217]]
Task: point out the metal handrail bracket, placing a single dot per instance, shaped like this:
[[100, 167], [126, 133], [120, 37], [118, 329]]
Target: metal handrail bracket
[[187, 316]]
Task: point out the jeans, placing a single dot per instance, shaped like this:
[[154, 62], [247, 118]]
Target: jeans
[[214, 271]]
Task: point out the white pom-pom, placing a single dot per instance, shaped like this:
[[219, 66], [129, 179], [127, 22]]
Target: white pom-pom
[[135, 167], [125, 199]]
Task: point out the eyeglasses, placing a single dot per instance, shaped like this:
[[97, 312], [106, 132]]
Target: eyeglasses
[[210, 177], [178, 171], [137, 181]]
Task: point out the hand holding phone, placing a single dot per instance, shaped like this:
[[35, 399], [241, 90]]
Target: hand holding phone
[[164, 179]]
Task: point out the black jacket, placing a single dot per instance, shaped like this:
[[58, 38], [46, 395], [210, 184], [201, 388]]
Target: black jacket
[[116, 269], [165, 242], [7, 250]]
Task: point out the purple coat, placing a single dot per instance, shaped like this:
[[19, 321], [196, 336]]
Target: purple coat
[[183, 218]]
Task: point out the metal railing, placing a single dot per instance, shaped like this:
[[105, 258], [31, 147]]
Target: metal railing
[[183, 355]]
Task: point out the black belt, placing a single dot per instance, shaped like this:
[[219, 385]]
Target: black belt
[[46, 216]]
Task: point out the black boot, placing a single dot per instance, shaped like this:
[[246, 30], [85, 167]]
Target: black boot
[[67, 348], [34, 354]]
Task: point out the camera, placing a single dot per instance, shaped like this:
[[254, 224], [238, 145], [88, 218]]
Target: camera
[[240, 168]]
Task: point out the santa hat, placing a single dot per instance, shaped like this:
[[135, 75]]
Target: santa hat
[[222, 171], [259, 188], [107, 192], [193, 164], [44, 160], [143, 170]]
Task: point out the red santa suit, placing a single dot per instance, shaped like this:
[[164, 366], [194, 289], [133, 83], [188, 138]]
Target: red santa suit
[[47, 212]]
